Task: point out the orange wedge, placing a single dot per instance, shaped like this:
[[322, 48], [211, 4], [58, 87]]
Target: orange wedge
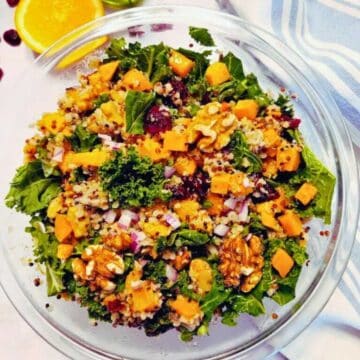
[[40, 23]]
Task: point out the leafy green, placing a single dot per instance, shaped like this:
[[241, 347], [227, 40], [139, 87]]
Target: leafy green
[[133, 180], [234, 66], [54, 278], [159, 323], [266, 280], [155, 271], [78, 175], [87, 299], [136, 105], [182, 284], [286, 107], [102, 98], [286, 291], [244, 158], [296, 251], [314, 172], [183, 237], [201, 35], [30, 190], [82, 140], [151, 59], [120, 3]]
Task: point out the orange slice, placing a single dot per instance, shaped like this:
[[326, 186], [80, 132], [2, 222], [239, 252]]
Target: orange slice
[[40, 23]]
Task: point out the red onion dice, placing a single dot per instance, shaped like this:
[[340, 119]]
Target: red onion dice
[[171, 273], [230, 203], [221, 230], [173, 221], [168, 171], [58, 154], [110, 216]]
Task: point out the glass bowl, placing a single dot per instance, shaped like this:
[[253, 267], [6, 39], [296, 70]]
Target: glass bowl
[[64, 324]]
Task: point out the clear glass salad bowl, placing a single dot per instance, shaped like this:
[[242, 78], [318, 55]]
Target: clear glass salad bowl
[[64, 324]]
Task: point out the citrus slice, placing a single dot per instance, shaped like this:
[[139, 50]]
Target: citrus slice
[[41, 23]]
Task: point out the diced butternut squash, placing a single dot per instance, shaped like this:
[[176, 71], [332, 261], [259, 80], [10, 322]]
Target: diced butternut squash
[[268, 220], [144, 299], [52, 123], [79, 222], [54, 207], [287, 157], [107, 70], [220, 183], [186, 209], [64, 251], [136, 80], [180, 64], [201, 275], [155, 229], [217, 73], [185, 166], [63, 227], [291, 223], [174, 141], [246, 108], [151, 148], [185, 307], [272, 140], [269, 168], [237, 186], [112, 113], [217, 204], [306, 193], [94, 158], [282, 262], [133, 275]]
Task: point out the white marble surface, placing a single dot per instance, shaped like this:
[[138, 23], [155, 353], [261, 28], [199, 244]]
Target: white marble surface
[[335, 334]]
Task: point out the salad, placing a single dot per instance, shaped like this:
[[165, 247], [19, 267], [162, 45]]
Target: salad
[[168, 189]]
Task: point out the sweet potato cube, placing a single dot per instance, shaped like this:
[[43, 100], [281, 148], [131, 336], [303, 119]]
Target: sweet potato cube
[[306, 193], [64, 251], [63, 227], [217, 73], [52, 122], [246, 108], [217, 204], [220, 183], [136, 80], [185, 166], [180, 64], [185, 307], [174, 141], [151, 148], [268, 220], [282, 262], [291, 223], [186, 209], [144, 298], [107, 70], [287, 157]]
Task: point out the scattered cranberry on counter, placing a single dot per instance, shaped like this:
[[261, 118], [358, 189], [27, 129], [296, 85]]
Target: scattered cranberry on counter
[[12, 37], [1, 73], [12, 3]]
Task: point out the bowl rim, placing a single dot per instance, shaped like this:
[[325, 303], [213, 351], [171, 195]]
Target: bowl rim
[[281, 336]]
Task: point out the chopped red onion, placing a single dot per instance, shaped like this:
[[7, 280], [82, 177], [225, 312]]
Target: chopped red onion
[[105, 137], [221, 230], [173, 221], [110, 216], [248, 237], [243, 211], [171, 273], [134, 216], [58, 154], [136, 238], [124, 221], [230, 203], [143, 262], [168, 171]]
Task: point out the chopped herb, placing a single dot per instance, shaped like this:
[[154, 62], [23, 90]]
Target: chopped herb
[[201, 35]]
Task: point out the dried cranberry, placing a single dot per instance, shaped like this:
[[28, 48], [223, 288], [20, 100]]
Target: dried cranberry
[[179, 88], [206, 98], [115, 306], [158, 119], [294, 123], [197, 185], [264, 192], [12, 3], [1, 73], [12, 37]]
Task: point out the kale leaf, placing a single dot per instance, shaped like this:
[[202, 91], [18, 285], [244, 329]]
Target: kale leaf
[[30, 190], [183, 237], [234, 66], [133, 180], [201, 35], [317, 174], [83, 140], [136, 105], [244, 158], [102, 98], [151, 59], [286, 107], [156, 271]]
